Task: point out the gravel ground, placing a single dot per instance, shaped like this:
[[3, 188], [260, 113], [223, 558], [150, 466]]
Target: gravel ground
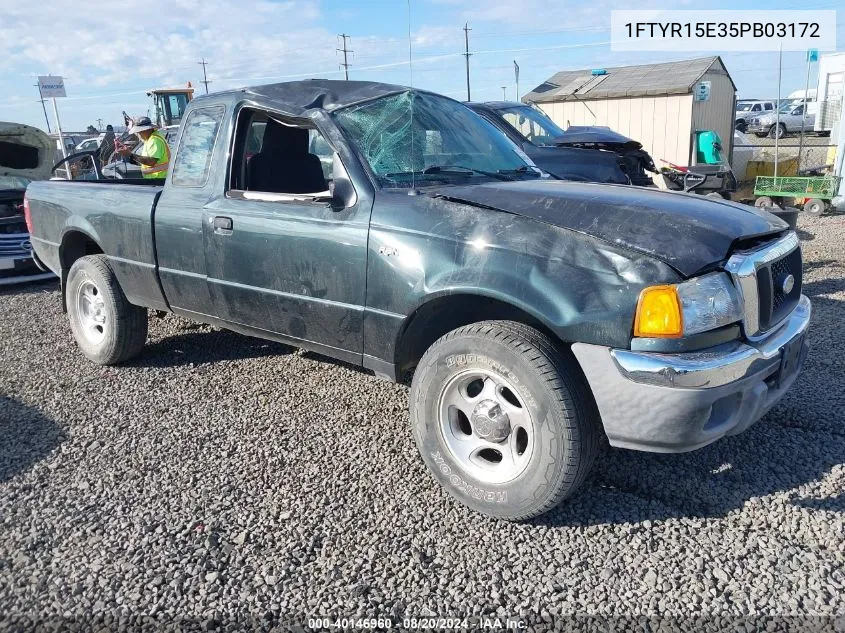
[[219, 476]]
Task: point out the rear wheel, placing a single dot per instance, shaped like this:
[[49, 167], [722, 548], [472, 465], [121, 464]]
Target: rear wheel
[[107, 328], [764, 202], [814, 206], [503, 419]]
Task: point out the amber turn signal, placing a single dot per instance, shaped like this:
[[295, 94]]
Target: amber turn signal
[[659, 313]]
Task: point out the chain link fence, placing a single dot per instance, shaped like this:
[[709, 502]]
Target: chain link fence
[[753, 156]]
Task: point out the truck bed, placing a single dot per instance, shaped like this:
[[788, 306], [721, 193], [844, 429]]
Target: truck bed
[[114, 214]]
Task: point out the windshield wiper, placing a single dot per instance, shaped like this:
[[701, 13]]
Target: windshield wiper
[[460, 169], [525, 169]]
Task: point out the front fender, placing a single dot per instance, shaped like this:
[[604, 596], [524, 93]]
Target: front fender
[[581, 288]]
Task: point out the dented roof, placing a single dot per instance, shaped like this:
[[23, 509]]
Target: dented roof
[[300, 98], [627, 81]]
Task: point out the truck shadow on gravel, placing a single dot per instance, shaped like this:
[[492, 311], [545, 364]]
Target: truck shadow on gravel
[[30, 288], [203, 346], [712, 482], [814, 289], [631, 487], [26, 437]]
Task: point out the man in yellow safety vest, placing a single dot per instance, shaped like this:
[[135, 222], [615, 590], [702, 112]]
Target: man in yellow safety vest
[[154, 155]]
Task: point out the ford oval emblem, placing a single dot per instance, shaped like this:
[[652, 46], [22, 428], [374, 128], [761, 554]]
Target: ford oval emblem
[[787, 284]]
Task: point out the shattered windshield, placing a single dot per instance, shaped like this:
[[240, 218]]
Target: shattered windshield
[[446, 141], [533, 125]]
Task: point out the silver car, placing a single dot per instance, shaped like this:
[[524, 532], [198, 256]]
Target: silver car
[[791, 119]]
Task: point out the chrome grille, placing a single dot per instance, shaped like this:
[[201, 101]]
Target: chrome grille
[[15, 245], [784, 299], [759, 274]]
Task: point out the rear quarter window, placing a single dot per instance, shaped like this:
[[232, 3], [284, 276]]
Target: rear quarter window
[[193, 159]]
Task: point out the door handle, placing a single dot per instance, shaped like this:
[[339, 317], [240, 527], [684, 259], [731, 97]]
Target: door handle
[[222, 223]]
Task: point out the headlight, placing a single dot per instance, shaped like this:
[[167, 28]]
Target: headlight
[[698, 305]]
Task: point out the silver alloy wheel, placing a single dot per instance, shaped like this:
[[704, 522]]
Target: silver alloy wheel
[[91, 309], [486, 426]]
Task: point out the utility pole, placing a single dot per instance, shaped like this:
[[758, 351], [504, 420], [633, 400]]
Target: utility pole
[[205, 80], [41, 99], [99, 125], [467, 54], [804, 109], [344, 50], [504, 93]]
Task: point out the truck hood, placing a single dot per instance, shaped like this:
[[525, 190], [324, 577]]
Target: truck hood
[[25, 152], [686, 231]]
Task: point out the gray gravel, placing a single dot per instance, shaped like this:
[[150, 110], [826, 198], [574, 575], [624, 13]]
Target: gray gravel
[[220, 476]]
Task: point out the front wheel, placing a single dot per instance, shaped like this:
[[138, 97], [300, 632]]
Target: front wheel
[[777, 131], [504, 419], [107, 328]]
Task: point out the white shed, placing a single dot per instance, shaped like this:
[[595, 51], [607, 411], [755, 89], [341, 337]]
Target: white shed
[[659, 105]]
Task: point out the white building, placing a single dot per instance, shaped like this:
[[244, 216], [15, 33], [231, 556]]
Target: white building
[[659, 105], [831, 81]]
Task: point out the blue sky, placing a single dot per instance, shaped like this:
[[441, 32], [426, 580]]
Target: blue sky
[[111, 52]]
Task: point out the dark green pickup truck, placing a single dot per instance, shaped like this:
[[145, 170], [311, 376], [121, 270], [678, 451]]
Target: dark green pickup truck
[[395, 229]]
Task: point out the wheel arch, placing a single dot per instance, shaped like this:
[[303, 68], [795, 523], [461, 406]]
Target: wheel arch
[[446, 311], [76, 243]]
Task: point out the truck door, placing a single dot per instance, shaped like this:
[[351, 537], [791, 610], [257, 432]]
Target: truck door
[[178, 219], [278, 259]]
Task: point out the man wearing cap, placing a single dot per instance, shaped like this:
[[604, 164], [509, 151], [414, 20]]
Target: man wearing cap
[[154, 156]]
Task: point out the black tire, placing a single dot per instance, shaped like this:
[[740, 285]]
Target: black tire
[[741, 126], [547, 381], [814, 206], [777, 131], [123, 331]]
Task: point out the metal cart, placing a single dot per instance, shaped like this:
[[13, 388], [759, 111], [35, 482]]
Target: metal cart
[[813, 192]]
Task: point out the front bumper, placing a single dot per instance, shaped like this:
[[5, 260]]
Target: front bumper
[[21, 269], [758, 128], [671, 403]]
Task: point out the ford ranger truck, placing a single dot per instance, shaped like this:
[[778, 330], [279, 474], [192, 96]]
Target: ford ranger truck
[[395, 229]]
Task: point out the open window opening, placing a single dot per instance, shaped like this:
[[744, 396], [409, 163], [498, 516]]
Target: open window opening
[[277, 159]]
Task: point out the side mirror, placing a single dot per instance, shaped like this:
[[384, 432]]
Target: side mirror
[[343, 193]]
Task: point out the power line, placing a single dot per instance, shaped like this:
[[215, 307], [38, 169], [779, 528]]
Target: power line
[[345, 64], [205, 80], [467, 53]]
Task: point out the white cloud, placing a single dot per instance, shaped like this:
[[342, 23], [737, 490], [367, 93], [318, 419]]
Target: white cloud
[[106, 43]]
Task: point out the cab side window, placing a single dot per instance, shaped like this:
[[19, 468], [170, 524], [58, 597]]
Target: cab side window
[[193, 160], [273, 155]]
